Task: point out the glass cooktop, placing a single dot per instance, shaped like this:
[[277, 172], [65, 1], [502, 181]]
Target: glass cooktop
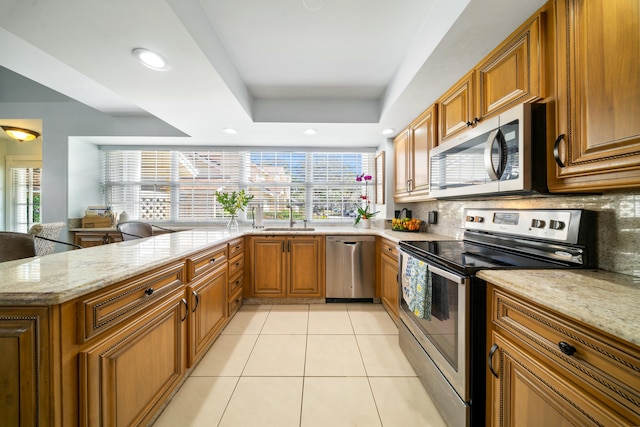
[[469, 257]]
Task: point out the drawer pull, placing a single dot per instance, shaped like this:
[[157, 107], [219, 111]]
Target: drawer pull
[[149, 291], [490, 361], [566, 348], [212, 260]]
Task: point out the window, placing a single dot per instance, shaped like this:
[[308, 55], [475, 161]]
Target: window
[[25, 190], [180, 185]]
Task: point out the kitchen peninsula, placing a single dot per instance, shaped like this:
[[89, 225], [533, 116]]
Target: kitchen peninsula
[[104, 335]]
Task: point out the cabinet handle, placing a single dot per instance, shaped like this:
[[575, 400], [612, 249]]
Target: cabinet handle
[[289, 246], [469, 124], [237, 264], [566, 348], [195, 294], [556, 151], [149, 291], [490, 361], [186, 306], [212, 260], [476, 121]]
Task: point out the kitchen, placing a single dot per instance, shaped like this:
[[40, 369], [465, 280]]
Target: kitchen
[[617, 206]]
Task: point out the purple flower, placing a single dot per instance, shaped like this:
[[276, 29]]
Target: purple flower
[[367, 177]]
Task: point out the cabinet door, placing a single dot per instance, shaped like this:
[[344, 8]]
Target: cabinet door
[[403, 167], [125, 378], [208, 311], [455, 108], [389, 285], [513, 72], [306, 267], [598, 93], [529, 393], [268, 267], [24, 372], [424, 138]]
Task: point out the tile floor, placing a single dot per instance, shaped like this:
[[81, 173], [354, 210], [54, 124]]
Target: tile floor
[[304, 365]]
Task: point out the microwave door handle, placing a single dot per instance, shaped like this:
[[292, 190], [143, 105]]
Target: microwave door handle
[[495, 136]]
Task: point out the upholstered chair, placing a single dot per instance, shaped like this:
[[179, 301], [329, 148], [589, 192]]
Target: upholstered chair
[[49, 230], [135, 230], [16, 246]]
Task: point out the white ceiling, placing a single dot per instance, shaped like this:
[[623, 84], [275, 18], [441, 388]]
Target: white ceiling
[[268, 68]]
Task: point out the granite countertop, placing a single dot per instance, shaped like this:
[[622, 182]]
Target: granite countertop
[[60, 277], [607, 301]]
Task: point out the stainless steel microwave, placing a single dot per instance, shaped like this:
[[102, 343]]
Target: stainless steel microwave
[[502, 155]]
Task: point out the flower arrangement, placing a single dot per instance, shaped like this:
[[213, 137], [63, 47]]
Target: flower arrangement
[[364, 212], [234, 201]]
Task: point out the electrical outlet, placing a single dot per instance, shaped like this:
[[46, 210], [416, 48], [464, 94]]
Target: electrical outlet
[[396, 214], [409, 214], [433, 217]]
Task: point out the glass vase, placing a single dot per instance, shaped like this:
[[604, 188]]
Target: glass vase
[[232, 225]]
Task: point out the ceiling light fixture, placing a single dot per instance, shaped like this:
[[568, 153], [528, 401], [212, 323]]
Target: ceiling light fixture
[[313, 5], [20, 134], [310, 132], [230, 131], [150, 59], [388, 131]]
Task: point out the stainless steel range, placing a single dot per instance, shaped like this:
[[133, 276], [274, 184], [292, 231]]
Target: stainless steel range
[[443, 304]]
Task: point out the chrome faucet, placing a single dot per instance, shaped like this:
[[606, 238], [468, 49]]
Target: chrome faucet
[[291, 221]]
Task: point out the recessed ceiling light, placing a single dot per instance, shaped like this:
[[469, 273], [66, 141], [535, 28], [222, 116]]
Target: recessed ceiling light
[[388, 131], [310, 132], [150, 59], [230, 131]]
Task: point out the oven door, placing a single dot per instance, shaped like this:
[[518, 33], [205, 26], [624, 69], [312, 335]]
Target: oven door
[[434, 306]]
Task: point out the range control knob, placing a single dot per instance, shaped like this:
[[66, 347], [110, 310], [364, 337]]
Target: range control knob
[[556, 225], [537, 223], [479, 219], [470, 218]]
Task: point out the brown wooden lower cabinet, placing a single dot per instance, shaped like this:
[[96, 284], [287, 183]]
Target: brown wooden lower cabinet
[[25, 367], [87, 239], [287, 266], [208, 296], [548, 370], [389, 291], [127, 376]]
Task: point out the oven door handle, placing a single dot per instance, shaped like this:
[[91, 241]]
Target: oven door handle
[[440, 272]]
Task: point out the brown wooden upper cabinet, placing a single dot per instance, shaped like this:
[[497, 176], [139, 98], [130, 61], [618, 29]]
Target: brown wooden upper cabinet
[[511, 74], [411, 155], [597, 143]]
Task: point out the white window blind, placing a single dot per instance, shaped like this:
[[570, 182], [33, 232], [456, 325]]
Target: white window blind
[[180, 185], [25, 198]]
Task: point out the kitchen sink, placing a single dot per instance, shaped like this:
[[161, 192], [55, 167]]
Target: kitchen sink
[[288, 229]]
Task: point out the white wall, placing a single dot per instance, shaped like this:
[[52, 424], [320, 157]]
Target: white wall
[[84, 159]]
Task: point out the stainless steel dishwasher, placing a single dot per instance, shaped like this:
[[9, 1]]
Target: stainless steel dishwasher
[[350, 268]]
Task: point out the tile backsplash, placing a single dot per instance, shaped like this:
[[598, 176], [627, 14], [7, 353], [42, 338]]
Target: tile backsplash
[[617, 224]]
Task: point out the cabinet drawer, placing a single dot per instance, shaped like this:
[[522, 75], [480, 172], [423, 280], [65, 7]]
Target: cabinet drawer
[[236, 265], [102, 310], [596, 361], [235, 282], [204, 261], [389, 248], [235, 301], [236, 247]]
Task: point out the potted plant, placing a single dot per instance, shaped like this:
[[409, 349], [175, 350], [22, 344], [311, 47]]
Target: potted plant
[[364, 214], [232, 203]]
